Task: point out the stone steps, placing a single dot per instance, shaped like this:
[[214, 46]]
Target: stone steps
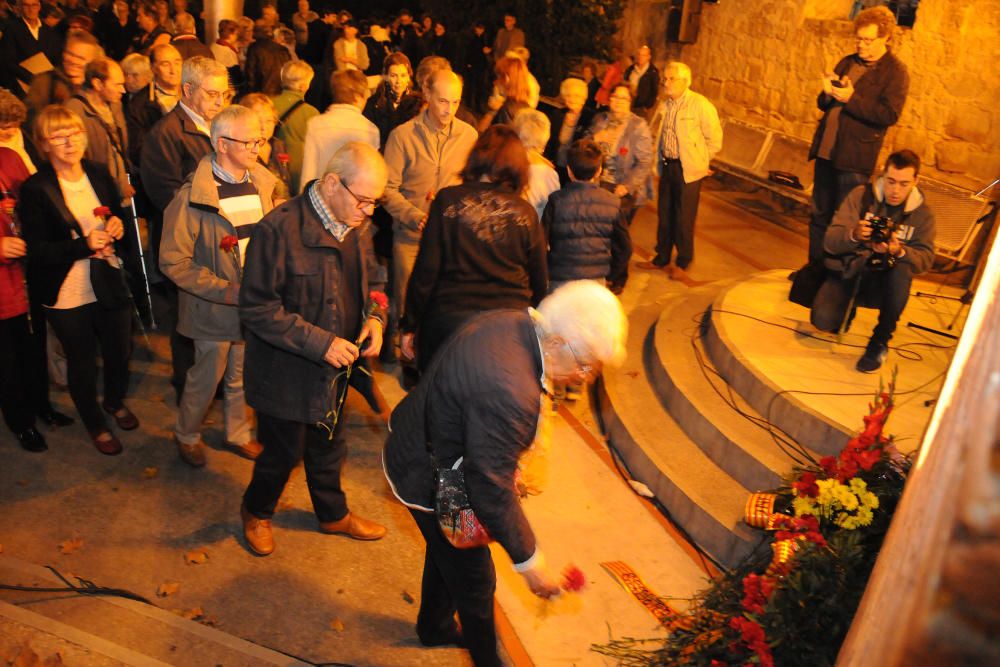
[[781, 407], [123, 631], [700, 496], [742, 449]]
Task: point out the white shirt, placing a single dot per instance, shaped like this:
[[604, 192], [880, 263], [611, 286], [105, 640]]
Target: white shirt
[[81, 200], [327, 132]]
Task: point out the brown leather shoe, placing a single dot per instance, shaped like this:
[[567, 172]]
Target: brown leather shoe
[[123, 417], [677, 273], [250, 449], [107, 444], [354, 526], [193, 455], [257, 532]]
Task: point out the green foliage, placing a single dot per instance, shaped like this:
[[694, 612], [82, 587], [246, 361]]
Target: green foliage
[[559, 33]]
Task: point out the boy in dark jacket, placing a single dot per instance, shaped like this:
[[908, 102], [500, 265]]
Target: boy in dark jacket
[[584, 225]]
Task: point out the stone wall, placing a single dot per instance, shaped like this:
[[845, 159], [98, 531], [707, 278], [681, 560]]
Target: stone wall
[[761, 62]]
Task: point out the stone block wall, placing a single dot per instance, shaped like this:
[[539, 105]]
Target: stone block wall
[[761, 62]]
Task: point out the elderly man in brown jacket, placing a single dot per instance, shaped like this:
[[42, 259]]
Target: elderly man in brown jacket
[[206, 229]]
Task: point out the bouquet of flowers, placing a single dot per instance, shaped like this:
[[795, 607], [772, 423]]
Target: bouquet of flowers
[[792, 600]]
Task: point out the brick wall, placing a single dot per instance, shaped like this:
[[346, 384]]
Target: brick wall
[[760, 61]]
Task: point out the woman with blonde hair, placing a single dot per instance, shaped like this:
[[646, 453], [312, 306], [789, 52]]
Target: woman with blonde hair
[[273, 153], [71, 219]]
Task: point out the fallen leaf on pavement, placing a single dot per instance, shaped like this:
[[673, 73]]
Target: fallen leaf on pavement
[[337, 625], [167, 588], [407, 598], [190, 614], [196, 557], [70, 546], [150, 473]]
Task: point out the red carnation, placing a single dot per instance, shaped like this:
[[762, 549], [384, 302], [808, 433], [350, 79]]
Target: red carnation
[[284, 158], [228, 242], [829, 465], [102, 212], [379, 299], [573, 579], [806, 486], [623, 151]]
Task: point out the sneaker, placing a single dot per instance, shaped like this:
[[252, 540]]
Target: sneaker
[[873, 357]]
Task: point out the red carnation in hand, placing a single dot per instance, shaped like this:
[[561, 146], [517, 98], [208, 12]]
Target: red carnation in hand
[[623, 151], [229, 242], [283, 158], [379, 299], [102, 212], [573, 579], [7, 205]]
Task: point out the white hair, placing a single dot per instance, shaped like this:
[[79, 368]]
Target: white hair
[[569, 84], [195, 70], [683, 70], [222, 124], [533, 128], [352, 158], [589, 318]]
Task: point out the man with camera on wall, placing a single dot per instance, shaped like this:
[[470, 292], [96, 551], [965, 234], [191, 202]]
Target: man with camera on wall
[[881, 236]]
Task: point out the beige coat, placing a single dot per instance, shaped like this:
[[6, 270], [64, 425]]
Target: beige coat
[[699, 135]]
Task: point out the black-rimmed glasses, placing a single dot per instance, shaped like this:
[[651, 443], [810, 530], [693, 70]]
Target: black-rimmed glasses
[[248, 144], [363, 202]]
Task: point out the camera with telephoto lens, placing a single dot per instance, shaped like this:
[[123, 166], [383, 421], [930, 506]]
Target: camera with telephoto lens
[[882, 228]]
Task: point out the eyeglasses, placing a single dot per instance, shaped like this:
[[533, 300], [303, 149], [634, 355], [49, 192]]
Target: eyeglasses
[[363, 202], [64, 140], [249, 144], [587, 369], [867, 41]]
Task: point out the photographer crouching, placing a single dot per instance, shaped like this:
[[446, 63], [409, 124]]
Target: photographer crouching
[[880, 237]]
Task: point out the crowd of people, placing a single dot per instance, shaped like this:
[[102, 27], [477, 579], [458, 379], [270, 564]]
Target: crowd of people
[[266, 185]]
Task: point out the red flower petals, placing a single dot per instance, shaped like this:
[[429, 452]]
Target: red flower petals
[[379, 299], [229, 242], [102, 212], [573, 579]]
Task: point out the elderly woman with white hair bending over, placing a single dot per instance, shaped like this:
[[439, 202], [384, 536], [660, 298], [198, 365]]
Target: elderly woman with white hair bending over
[[477, 409]]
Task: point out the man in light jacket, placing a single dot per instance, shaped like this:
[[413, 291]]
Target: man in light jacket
[[206, 229], [423, 155], [689, 137]]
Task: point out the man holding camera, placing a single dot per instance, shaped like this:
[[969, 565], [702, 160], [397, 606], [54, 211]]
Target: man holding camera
[[880, 237], [860, 100]]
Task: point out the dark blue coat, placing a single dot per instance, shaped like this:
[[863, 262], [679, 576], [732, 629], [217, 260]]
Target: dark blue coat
[[579, 222]]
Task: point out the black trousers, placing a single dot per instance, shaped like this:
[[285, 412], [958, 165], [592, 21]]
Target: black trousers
[[285, 444], [457, 580], [830, 188], [621, 240], [886, 290], [181, 347], [81, 330], [435, 330], [24, 378], [676, 209]]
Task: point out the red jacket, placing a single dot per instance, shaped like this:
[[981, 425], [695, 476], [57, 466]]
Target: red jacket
[[13, 299]]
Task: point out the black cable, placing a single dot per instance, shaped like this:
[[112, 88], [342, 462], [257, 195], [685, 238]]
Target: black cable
[[85, 588]]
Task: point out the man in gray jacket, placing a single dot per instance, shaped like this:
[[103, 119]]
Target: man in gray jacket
[[206, 229], [872, 264], [423, 155]]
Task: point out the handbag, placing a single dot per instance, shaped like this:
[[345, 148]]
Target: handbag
[[455, 515], [806, 284]]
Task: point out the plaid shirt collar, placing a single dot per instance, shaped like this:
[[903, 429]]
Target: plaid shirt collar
[[338, 229]]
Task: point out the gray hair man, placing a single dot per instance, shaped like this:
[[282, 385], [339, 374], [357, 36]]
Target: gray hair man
[[170, 152], [310, 264], [683, 152], [479, 404], [225, 198]]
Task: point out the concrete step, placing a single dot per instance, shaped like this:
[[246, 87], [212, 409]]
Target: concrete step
[[123, 630], [742, 449], [750, 379], [700, 496]]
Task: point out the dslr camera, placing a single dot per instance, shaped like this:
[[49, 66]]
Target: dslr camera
[[882, 228]]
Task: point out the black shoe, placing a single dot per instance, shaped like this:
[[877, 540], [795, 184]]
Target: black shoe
[[616, 288], [55, 419], [873, 357], [32, 440], [450, 637]]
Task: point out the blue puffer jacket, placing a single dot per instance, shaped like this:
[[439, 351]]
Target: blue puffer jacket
[[579, 221]]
